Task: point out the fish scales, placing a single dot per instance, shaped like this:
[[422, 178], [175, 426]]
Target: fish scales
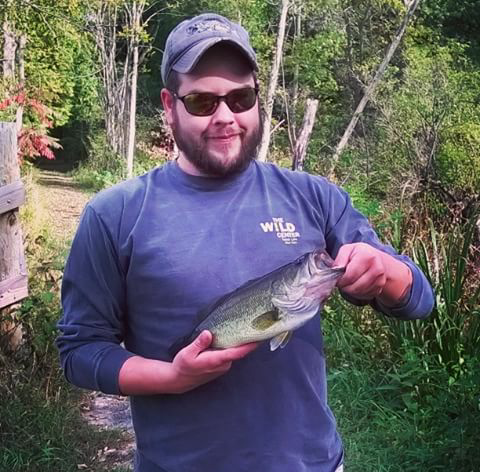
[[272, 306]]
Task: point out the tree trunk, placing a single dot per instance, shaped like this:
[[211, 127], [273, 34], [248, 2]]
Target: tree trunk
[[22, 41], [120, 77], [132, 112], [372, 86], [296, 72], [272, 84], [9, 46], [304, 136], [113, 98], [136, 12]]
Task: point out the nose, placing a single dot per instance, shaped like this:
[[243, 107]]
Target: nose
[[223, 114]]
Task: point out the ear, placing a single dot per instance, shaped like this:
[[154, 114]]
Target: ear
[[168, 103]]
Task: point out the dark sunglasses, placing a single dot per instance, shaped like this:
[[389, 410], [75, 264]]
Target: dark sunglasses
[[205, 104]]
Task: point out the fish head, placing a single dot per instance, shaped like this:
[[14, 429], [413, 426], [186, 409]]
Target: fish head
[[309, 285], [323, 275]]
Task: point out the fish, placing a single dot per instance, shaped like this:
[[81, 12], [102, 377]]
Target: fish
[[271, 306]]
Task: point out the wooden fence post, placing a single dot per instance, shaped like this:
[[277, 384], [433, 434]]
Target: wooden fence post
[[13, 272]]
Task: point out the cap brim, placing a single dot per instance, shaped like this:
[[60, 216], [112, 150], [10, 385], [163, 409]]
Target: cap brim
[[189, 60]]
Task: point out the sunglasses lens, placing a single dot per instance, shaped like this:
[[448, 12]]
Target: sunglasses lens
[[200, 104], [204, 104], [242, 99]]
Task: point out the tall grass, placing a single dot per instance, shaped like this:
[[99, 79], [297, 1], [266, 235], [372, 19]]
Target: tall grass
[[453, 329], [406, 393]]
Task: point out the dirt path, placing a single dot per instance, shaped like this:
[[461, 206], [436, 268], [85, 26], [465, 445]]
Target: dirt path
[[65, 201]]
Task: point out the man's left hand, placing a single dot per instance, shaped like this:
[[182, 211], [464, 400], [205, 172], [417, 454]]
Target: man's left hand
[[371, 273]]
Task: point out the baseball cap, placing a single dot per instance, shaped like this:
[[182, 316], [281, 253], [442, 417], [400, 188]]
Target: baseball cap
[[191, 38]]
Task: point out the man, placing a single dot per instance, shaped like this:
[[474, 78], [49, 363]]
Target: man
[[152, 251]]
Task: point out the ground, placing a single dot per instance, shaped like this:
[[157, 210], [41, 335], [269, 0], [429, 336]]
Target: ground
[[64, 202]]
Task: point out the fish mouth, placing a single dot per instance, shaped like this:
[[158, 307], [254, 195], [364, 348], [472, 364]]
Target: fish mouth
[[320, 276], [321, 259], [311, 286]]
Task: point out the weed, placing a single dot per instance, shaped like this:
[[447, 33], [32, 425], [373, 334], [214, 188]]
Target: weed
[[453, 329], [40, 423]]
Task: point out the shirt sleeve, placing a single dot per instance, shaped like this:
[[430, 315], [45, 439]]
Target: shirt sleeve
[[345, 225], [93, 298]]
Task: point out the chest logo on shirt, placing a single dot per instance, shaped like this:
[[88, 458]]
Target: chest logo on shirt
[[284, 230]]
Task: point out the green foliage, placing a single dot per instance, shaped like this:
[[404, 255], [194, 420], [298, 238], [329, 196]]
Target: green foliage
[[58, 60], [421, 133], [407, 408], [363, 202], [452, 332], [40, 424], [455, 19], [104, 168], [419, 413], [315, 58]]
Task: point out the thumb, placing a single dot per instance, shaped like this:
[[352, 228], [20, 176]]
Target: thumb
[[343, 256], [202, 342]]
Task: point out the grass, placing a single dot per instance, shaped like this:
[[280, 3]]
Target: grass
[[41, 427], [42, 433], [403, 412], [406, 394]]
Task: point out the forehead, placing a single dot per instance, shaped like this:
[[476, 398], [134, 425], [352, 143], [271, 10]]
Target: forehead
[[221, 67]]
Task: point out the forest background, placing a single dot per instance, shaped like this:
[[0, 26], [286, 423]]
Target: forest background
[[81, 80]]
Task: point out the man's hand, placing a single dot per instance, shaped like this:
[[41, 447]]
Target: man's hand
[[195, 364], [371, 273]]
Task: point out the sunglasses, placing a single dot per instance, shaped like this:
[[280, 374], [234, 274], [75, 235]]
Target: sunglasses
[[205, 104]]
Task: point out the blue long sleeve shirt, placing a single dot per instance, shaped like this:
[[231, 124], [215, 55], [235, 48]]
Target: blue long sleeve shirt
[[152, 251]]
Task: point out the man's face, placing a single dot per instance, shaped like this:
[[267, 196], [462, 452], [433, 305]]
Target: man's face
[[224, 142]]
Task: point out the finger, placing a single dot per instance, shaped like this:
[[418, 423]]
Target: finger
[[366, 287], [214, 359], [363, 260], [353, 272], [238, 352], [344, 255], [201, 342]]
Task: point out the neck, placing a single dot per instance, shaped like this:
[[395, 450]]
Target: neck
[[188, 167]]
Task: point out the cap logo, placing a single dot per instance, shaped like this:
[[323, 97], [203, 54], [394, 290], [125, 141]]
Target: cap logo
[[211, 25]]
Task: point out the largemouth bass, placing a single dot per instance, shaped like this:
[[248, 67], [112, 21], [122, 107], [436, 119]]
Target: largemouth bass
[[271, 306]]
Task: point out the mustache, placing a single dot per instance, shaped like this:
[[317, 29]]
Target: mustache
[[223, 133]]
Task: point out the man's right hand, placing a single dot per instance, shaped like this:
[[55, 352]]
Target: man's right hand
[[196, 365], [193, 366]]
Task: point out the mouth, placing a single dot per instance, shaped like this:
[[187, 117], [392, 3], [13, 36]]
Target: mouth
[[224, 139]]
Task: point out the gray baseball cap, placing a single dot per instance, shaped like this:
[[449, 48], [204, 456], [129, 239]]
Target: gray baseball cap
[[190, 39]]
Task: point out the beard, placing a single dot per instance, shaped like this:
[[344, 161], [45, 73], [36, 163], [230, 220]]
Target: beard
[[195, 149]]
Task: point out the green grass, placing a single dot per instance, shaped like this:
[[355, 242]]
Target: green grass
[[40, 432], [41, 427], [388, 425], [406, 394]]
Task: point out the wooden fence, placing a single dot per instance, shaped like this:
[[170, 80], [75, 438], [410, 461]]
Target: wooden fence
[[13, 272]]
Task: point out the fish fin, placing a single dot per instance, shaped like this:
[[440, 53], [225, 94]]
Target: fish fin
[[265, 320], [280, 341]]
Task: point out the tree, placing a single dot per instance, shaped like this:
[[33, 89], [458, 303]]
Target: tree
[[44, 84], [373, 84], [119, 28], [272, 83]]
